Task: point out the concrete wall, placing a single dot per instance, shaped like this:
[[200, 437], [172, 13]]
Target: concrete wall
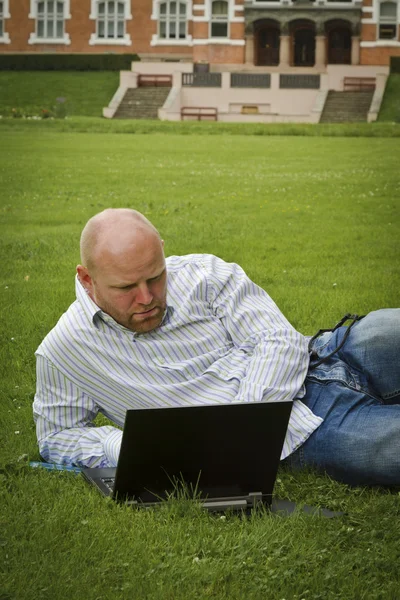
[[336, 73]]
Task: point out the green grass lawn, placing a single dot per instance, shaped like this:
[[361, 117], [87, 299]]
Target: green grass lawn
[[85, 93], [390, 109], [313, 220]]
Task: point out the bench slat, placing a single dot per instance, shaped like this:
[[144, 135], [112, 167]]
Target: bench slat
[[359, 83], [201, 112]]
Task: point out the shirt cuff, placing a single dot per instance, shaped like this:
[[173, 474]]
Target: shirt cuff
[[112, 447]]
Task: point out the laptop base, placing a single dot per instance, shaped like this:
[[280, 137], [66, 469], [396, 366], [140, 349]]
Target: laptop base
[[104, 479]]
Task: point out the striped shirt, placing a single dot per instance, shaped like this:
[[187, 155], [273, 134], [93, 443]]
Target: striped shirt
[[222, 340]]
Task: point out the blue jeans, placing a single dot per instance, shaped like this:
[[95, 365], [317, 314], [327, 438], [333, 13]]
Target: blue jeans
[[357, 393]]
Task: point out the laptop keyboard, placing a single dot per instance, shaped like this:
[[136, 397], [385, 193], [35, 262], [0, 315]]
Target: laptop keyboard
[[109, 483]]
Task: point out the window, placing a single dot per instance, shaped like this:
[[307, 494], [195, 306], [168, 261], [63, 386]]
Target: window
[[111, 20], [388, 21], [1, 19], [50, 20], [110, 17], [49, 16], [172, 20], [4, 14], [219, 18]]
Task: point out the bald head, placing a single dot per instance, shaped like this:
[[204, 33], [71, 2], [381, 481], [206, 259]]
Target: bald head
[[123, 268], [112, 232]]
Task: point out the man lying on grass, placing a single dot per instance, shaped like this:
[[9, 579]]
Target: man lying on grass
[[146, 331]]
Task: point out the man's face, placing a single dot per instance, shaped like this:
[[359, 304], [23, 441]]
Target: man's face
[[131, 288]]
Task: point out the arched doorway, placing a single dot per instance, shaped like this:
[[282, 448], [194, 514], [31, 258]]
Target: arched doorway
[[303, 37], [267, 41], [339, 43]]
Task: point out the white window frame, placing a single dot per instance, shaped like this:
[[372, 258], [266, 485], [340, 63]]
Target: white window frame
[[172, 19], [33, 14], [94, 15], [5, 14], [388, 21], [220, 19], [157, 40]]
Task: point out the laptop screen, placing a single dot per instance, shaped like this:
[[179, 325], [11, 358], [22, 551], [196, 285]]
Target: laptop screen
[[220, 451]]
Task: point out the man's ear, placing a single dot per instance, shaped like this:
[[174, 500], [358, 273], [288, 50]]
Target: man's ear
[[85, 279]]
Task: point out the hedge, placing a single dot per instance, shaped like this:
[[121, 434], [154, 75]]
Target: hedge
[[395, 64], [66, 62]]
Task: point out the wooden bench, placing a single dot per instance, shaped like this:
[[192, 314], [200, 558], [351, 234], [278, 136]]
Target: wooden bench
[[201, 113], [154, 80], [358, 84]]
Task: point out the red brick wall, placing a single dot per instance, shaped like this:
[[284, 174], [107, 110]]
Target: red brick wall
[[368, 32], [219, 54], [141, 29], [80, 27], [378, 56]]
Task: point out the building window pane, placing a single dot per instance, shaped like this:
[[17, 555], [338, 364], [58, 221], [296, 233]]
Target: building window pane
[[1, 19], [172, 20], [219, 19], [111, 20], [387, 29], [388, 10], [50, 20], [387, 32], [163, 30], [219, 8], [219, 29], [60, 29]]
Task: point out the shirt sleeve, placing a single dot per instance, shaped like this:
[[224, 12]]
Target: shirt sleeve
[[64, 416], [276, 355]]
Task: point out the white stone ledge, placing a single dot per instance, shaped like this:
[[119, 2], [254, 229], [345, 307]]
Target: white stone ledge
[[381, 44], [34, 39], [96, 41]]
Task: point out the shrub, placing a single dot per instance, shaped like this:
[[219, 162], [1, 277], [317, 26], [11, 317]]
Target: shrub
[[395, 64], [66, 62]]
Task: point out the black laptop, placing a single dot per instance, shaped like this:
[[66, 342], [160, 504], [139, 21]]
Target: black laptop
[[226, 456]]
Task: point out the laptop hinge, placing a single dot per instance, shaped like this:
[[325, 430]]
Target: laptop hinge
[[221, 505], [254, 498]]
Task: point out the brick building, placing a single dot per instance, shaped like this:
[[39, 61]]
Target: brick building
[[259, 33]]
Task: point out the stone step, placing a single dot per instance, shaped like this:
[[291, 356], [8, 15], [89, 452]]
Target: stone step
[[343, 107], [142, 103]]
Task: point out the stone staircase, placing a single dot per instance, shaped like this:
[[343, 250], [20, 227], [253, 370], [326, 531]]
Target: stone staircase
[[142, 103], [346, 107]]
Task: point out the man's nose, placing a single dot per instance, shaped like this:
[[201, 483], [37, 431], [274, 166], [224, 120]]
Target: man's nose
[[144, 296]]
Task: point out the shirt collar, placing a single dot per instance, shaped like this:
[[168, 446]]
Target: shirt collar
[[90, 308]]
